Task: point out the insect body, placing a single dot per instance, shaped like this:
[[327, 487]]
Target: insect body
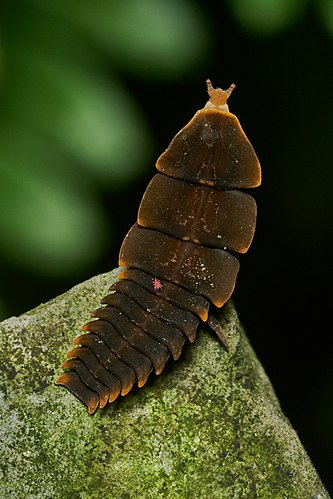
[[178, 259], [156, 284]]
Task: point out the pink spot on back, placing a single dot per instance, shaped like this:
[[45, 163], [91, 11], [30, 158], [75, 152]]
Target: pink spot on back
[[157, 284]]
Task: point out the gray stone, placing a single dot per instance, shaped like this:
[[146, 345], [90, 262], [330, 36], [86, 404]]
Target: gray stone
[[209, 427]]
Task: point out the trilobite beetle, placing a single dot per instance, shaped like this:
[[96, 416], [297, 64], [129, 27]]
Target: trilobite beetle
[[177, 260]]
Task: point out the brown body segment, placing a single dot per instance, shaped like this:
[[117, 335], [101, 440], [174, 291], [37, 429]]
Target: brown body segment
[[162, 332], [175, 259], [86, 355], [140, 364], [73, 382], [212, 149], [192, 212], [156, 352], [119, 369], [83, 370], [188, 264], [185, 321], [169, 291]]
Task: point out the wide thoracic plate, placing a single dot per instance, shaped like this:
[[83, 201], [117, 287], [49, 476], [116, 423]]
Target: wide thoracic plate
[[187, 264], [212, 149], [220, 219]]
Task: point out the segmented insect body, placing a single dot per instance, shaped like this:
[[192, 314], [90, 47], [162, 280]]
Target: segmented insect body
[[176, 259]]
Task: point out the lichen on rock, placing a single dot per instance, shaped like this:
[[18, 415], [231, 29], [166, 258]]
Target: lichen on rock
[[209, 426]]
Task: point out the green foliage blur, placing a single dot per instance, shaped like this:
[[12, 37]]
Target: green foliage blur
[[67, 122]]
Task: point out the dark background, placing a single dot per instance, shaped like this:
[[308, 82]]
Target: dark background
[[283, 71]]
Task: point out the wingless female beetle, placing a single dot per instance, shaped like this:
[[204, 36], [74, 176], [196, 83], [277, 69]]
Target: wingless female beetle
[[177, 261]]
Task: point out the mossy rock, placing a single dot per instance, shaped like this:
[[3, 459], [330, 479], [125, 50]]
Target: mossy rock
[[209, 427]]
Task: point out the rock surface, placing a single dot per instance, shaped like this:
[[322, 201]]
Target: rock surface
[[209, 427]]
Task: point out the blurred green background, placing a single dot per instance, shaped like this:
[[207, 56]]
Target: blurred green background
[[93, 92]]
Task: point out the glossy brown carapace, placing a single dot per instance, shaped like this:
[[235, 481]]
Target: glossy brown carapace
[[178, 259]]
